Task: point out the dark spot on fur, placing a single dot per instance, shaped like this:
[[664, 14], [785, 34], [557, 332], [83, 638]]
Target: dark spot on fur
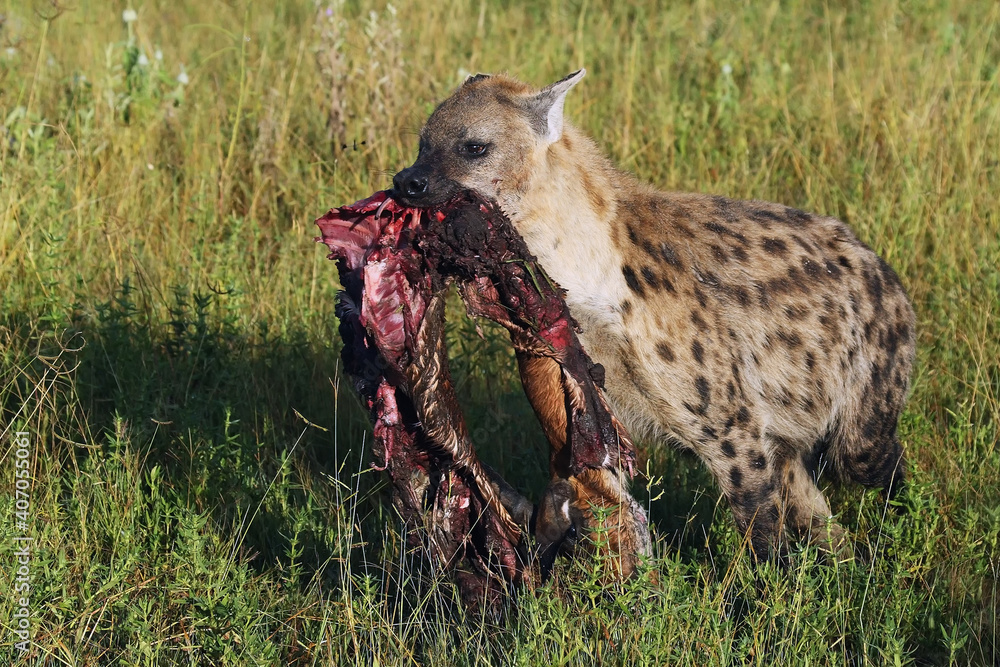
[[844, 262], [737, 293], [873, 283], [832, 270], [763, 217], [785, 398], [722, 230], [728, 426], [829, 323], [888, 275], [725, 208], [795, 276], [736, 477], [699, 352], [684, 229], [794, 312], [811, 268], [704, 393], [664, 351], [762, 296], [699, 294], [791, 339], [774, 246], [669, 256], [810, 360], [743, 415], [627, 307], [650, 249], [779, 286], [869, 329], [796, 217], [758, 460], [632, 280], [731, 390], [876, 377], [739, 253], [805, 245], [632, 236], [650, 277], [728, 449], [719, 254], [709, 432], [697, 320]]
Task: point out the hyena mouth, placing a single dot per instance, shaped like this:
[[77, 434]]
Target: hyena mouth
[[395, 263]]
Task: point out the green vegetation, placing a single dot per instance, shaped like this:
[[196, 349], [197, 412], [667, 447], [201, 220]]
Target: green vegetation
[[201, 483]]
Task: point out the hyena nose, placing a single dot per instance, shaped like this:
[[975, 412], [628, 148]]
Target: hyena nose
[[410, 184]]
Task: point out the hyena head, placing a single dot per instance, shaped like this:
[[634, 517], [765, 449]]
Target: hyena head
[[489, 136], [593, 512]]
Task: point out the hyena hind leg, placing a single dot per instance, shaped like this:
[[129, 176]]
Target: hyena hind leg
[[867, 450], [806, 513]]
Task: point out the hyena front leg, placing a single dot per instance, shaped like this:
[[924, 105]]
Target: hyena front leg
[[752, 484]]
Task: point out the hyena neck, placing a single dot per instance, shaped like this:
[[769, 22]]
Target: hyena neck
[[566, 217]]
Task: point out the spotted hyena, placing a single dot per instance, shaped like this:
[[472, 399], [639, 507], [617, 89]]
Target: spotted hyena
[[759, 336]]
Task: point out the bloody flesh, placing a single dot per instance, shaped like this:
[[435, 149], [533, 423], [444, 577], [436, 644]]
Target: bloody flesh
[[394, 265]]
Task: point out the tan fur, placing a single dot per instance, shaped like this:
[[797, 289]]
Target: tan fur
[[756, 335]]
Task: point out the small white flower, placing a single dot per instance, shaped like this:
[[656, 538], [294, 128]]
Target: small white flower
[[149, 165], [129, 15], [11, 51], [143, 61], [182, 78], [50, 61], [158, 55], [727, 69]]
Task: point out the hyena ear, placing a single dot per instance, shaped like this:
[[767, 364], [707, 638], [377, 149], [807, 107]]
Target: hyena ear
[[546, 107], [472, 78]]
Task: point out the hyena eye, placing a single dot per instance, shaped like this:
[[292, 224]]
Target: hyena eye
[[474, 149]]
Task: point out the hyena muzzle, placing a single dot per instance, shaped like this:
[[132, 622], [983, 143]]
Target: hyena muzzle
[[764, 338]]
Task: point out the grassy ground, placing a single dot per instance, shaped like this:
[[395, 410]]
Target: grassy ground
[[200, 490]]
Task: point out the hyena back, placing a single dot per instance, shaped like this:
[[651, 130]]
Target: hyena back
[[757, 335]]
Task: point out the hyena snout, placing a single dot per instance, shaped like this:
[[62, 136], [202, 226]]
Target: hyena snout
[[411, 182], [420, 185]]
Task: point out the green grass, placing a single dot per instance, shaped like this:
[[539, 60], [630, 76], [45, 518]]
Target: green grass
[[201, 490]]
